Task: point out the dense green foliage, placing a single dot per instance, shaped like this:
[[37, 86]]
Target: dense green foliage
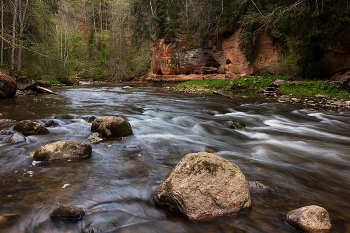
[[299, 27], [111, 39]]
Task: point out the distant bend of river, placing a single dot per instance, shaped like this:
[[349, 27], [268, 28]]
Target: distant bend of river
[[304, 153]]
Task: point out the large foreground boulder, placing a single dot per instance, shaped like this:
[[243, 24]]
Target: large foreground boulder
[[31, 128], [63, 150], [111, 126], [67, 213], [8, 86], [204, 185], [310, 219]]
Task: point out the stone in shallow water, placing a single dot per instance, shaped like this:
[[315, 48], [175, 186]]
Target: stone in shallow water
[[204, 185], [63, 150], [111, 126], [310, 219], [67, 213], [30, 128], [95, 137], [51, 123], [15, 138]]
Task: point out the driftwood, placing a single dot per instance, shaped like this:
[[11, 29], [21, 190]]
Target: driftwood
[[46, 90]]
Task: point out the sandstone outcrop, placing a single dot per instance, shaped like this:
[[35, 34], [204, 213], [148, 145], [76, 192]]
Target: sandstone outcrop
[[31, 128], [67, 213], [63, 150], [111, 126], [176, 62], [8, 86], [310, 219], [204, 185]]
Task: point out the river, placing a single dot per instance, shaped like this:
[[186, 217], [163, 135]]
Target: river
[[304, 153]]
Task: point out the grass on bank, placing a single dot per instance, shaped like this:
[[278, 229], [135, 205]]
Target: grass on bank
[[312, 88], [300, 89]]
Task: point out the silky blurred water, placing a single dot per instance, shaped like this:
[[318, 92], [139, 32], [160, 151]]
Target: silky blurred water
[[304, 153]]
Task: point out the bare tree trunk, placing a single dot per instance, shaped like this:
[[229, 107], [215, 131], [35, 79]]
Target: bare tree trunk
[[150, 2], [2, 32], [187, 11], [13, 41], [21, 17], [100, 12]]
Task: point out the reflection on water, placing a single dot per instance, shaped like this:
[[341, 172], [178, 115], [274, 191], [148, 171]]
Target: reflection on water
[[304, 153]]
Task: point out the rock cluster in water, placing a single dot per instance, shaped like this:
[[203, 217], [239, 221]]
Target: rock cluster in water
[[204, 185]]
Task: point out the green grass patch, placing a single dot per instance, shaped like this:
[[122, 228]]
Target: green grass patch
[[52, 80], [301, 89], [255, 82], [311, 88]]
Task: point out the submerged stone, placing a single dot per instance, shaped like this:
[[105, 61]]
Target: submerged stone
[[67, 213], [111, 126], [204, 185], [63, 150], [31, 128]]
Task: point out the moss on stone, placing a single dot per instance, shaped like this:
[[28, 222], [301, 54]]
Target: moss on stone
[[210, 167], [40, 156], [42, 130]]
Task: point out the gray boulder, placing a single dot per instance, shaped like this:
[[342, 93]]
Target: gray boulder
[[63, 150], [111, 126], [15, 138], [31, 128], [204, 185], [310, 219]]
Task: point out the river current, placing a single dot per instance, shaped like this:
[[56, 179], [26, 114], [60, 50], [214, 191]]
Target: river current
[[302, 152]]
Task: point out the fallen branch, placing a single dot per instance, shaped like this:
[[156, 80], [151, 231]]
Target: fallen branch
[[46, 90]]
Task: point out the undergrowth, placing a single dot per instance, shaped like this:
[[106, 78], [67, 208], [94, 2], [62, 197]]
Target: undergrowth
[[312, 88], [300, 89]]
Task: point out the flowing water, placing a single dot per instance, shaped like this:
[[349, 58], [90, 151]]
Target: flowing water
[[304, 153]]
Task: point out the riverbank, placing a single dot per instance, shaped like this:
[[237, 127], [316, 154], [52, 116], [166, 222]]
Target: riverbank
[[316, 94]]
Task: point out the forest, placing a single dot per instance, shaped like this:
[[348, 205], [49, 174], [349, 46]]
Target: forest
[[111, 39]]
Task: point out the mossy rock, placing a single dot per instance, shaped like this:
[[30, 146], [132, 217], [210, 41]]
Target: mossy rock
[[31, 128], [63, 150], [203, 185], [67, 213], [111, 126]]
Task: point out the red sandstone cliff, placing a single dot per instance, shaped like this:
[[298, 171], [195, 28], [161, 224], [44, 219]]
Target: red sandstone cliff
[[175, 62]]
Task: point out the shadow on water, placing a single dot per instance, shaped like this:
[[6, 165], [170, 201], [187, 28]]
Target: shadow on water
[[303, 153]]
